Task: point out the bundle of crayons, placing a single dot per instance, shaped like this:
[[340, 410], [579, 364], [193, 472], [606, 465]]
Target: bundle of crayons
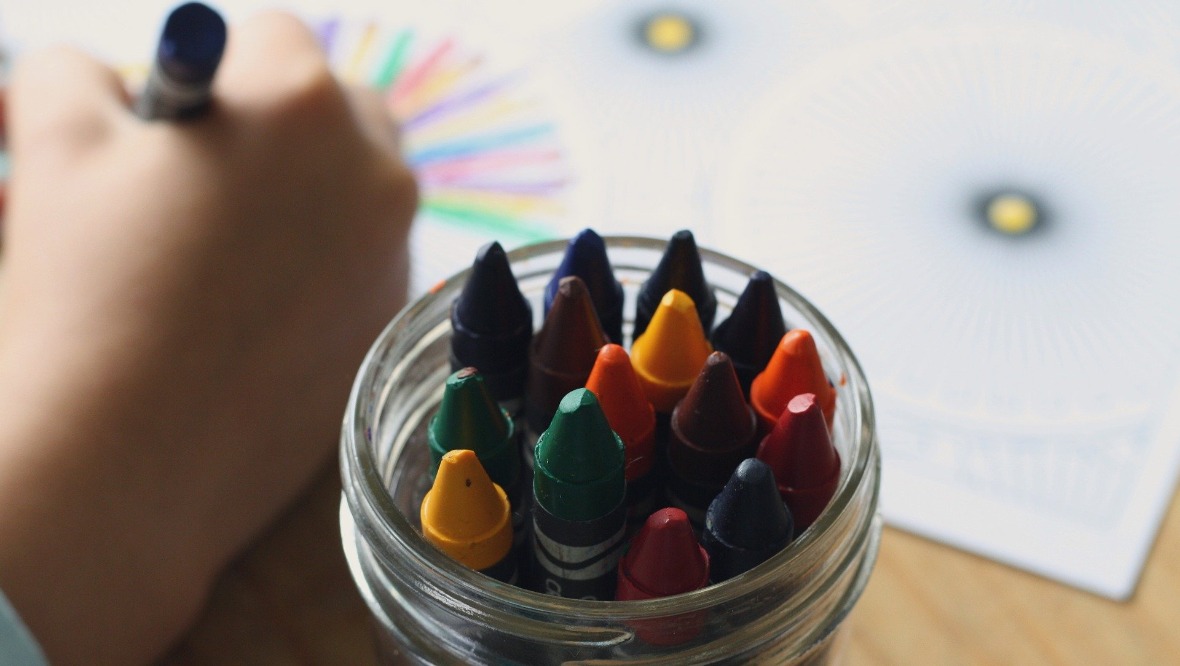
[[553, 452]]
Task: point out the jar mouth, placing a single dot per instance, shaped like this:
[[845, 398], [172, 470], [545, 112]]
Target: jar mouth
[[393, 540]]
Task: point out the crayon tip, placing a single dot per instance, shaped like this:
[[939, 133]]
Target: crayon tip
[[579, 472], [586, 258], [679, 268], [627, 409], [664, 559], [714, 414], [668, 357], [466, 515], [747, 522], [753, 329], [490, 302], [468, 417], [191, 43], [806, 465], [563, 351], [794, 368]]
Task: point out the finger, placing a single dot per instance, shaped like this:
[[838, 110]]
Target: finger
[[272, 59], [375, 119], [62, 96]]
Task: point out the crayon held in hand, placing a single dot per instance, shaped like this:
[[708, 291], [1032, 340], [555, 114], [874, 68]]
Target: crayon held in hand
[[806, 465], [492, 325], [712, 430], [563, 352], [180, 83], [664, 559], [794, 368], [747, 523], [679, 268], [585, 257], [468, 517], [631, 416], [579, 517], [753, 329]]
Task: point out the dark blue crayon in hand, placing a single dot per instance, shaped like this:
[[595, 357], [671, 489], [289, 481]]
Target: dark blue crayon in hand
[[179, 85], [747, 523], [579, 516], [585, 257], [492, 326], [679, 268], [753, 330]]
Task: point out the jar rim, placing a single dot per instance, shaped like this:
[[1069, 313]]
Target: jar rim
[[373, 510]]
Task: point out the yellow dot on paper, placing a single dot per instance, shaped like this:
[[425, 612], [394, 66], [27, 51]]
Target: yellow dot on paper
[[669, 33], [1012, 214]]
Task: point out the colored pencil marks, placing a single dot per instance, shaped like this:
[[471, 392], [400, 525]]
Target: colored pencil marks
[[488, 160]]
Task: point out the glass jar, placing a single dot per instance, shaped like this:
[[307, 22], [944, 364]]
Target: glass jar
[[428, 609]]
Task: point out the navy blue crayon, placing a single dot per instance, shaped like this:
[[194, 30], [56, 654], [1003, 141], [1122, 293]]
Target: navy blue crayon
[[180, 83], [585, 257], [752, 331], [492, 326], [747, 523], [679, 268]]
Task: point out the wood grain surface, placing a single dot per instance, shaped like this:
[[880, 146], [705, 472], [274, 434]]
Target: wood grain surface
[[290, 600]]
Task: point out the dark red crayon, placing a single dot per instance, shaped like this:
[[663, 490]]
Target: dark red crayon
[[747, 522], [806, 465], [562, 354], [679, 268], [712, 430], [664, 559], [752, 331], [492, 325], [585, 257]]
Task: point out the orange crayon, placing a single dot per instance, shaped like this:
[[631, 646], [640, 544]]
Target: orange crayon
[[468, 517], [795, 368], [630, 415], [669, 355]]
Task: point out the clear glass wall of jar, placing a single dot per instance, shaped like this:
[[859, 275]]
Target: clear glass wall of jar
[[427, 609]]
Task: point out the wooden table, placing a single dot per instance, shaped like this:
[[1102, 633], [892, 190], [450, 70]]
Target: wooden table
[[289, 600]]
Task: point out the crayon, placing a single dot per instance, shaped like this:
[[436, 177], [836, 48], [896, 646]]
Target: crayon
[[664, 559], [669, 355], [468, 417], [585, 257], [563, 352], [747, 522], [631, 416], [579, 517], [492, 325], [712, 430], [467, 516], [679, 268], [794, 368], [806, 465], [753, 329], [180, 83]]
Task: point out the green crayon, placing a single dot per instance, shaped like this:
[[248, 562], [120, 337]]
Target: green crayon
[[470, 418], [579, 517]]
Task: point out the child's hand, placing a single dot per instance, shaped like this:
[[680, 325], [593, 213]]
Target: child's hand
[[182, 309]]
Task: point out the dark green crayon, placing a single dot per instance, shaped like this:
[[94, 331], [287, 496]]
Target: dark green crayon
[[579, 517]]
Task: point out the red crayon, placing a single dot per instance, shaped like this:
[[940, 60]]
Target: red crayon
[[795, 368], [806, 466], [664, 559]]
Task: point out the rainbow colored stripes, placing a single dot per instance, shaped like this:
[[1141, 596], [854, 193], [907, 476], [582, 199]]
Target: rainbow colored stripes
[[484, 155]]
